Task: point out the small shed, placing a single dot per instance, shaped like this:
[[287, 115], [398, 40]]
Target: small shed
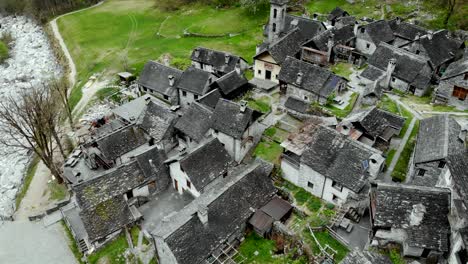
[[126, 77], [275, 210]]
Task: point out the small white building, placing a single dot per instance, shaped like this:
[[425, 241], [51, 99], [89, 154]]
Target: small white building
[[328, 164], [237, 127], [193, 84], [192, 172]]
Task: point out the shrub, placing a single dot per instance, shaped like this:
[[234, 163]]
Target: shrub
[[330, 206], [314, 204], [180, 63], [302, 196]]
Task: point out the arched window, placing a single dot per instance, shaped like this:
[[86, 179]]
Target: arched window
[[275, 13], [274, 27]]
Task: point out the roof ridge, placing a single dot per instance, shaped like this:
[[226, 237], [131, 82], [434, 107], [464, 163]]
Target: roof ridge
[[413, 187]]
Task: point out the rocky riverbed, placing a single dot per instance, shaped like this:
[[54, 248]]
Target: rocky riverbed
[[31, 62]]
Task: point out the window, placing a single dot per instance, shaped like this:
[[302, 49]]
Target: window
[[189, 184], [418, 51], [259, 72], [421, 172], [276, 76], [337, 186], [367, 45], [166, 97], [215, 131], [225, 174], [210, 80], [306, 98], [459, 92], [184, 93], [310, 185], [393, 79], [363, 30], [466, 76], [275, 13], [441, 164], [335, 198], [274, 27], [195, 96], [145, 89]]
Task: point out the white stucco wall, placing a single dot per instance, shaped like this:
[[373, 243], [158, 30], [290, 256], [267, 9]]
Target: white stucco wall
[[361, 45], [181, 177], [290, 171], [264, 63], [329, 191], [187, 100]]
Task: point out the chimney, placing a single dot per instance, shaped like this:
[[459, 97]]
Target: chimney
[[398, 20], [314, 16], [197, 52], [390, 68], [375, 165], [243, 106], [430, 34], [356, 27], [227, 57], [238, 68], [171, 80], [330, 44], [202, 214], [153, 167], [147, 100], [418, 35], [417, 214], [299, 78]]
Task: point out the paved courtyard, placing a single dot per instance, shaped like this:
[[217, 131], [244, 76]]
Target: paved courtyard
[[23, 242], [359, 235]]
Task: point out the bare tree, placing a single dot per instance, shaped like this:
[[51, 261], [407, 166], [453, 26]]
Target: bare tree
[[29, 122], [60, 88], [450, 9]]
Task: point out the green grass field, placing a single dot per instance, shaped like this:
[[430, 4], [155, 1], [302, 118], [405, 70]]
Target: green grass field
[[111, 253], [4, 53], [401, 167], [117, 33]]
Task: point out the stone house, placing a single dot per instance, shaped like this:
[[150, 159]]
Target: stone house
[[237, 127], [194, 171], [193, 126], [217, 62], [453, 86], [210, 99], [193, 84], [209, 228], [328, 164], [413, 217], [335, 15], [374, 127], [160, 81], [405, 32], [232, 85], [309, 82], [439, 136], [394, 68], [369, 37]]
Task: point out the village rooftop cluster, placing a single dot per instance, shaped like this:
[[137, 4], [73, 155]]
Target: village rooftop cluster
[[177, 160]]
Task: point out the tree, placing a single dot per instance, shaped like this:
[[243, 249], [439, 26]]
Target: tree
[[29, 122], [254, 6], [60, 88], [450, 9]]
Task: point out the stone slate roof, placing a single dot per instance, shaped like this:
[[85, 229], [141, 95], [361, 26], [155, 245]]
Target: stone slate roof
[[458, 165], [106, 218], [231, 82], [394, 204], [132, 110], [155, 76], [441, 47], [406, 30], [157, 121], [456, 68], [347, 20], [306, 26], [195, 80], [437, 138], [151, 164], [289, 45], [372, 73], [337, 12], [206, 163], [379, 31], [338, 157], [297, 105], [339, 36], [314, 78], [215, 58], [409, 67], [210, 99], [376, 121], [365, 257], [229, 119], [195, 122], [121, 141], [229, 208]]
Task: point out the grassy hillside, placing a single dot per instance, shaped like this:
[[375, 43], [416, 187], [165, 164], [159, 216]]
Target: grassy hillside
[[105, 38]]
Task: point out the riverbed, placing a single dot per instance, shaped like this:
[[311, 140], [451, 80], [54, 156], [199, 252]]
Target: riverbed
[[32, 62]]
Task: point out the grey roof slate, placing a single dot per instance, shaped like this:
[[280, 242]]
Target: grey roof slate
[[337, 12], [347, 20], [211, 98], [338, 157], [215, 58], [206, 163], [406, 30], [314, 78], [195, 122], [394, 204], [230, 120], [195, 80], [231, 82], [372, 73], [155, 76], [297, 105], [121, 141], [437, 138], [132, 110], [456, 68], [376, 121], [157, 121], [339, 35], [106, 218], [458, 165], [151, 164], [229, 208], [306, 26], [365, 257], [409, 67], [277, 208], [379, 31], [441, 48], [289, 45]]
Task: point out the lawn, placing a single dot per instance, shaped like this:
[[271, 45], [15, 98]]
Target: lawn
[[259, 250], [113, 252], [71, 243], [32, 167], [269, 151], [261, 104], [4, 53], [401, 168], [342, 69], [117, 33], [390, 155], [342, 113], [58, 192], [389, 105], [324, 238], [276, 134]]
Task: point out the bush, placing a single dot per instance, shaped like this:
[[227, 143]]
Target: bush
[[330, 206], [181, 63], [314, 204], [302, 196]]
